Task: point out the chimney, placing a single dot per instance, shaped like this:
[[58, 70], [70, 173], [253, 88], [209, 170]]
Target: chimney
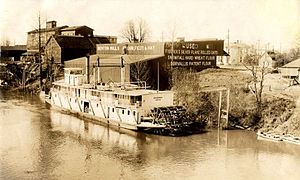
[[122, 73], [50, 24], [87, 68]]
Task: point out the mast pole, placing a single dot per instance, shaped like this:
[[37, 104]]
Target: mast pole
[[40, 58], [157, 75]]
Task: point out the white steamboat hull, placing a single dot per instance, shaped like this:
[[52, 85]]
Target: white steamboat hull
[[95, 110]]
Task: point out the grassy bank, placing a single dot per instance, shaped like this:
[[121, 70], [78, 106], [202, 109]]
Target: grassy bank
[[204, 105]]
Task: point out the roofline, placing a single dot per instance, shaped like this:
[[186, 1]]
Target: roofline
[[47, 29], [75, 27]]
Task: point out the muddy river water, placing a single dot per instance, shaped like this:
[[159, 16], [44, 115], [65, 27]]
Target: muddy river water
[[37, 142]]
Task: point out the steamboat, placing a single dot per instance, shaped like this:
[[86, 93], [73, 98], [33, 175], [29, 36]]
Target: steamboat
[[126, 105]]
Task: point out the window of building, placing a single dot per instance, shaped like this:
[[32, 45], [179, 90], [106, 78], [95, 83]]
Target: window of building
[[134, 113], [113, 109], [128, 112]]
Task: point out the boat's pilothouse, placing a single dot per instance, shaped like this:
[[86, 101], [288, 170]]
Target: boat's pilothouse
[[127, 105]]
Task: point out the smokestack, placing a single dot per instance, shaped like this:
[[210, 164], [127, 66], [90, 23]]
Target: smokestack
[[87, 68], [98, 70], [122, 73], [94, 72]]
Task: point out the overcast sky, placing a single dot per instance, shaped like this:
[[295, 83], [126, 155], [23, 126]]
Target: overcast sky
[[266, 21]]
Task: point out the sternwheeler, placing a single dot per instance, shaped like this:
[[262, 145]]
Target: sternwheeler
[[126, 105]]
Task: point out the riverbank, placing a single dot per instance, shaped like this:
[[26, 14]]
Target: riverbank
[[277, 110], [288, 122], [25, 76]]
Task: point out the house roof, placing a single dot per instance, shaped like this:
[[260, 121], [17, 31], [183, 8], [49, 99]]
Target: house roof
[[272, 54], [78, 42], [293, 64], [72, 28]]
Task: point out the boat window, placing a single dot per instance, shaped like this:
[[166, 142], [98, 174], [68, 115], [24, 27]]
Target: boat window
[[139, 98], [135, 98], [76, 72]]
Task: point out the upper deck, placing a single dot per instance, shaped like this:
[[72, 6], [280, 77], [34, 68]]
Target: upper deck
[[126, 94]]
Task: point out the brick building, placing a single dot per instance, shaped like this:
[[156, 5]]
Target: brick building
[[45, 33], [63, 42]]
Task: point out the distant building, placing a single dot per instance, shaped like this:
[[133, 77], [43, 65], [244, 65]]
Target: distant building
[[13, 53], [238, 52], [61, 48], [268, 59]]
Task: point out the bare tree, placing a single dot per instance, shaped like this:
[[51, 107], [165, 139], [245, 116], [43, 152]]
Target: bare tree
[[5, 42], [140, 71], [135, 31], [256, 85]]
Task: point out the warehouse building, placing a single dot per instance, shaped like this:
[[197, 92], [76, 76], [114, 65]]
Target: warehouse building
[[152, 62]]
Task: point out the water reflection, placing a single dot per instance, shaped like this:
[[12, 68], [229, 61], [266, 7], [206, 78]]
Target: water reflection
[[88, 131]]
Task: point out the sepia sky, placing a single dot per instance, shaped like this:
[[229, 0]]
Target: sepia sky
[[253, 21]]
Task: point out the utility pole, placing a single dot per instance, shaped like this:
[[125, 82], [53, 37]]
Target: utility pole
[[228, 47], [40, 58]]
